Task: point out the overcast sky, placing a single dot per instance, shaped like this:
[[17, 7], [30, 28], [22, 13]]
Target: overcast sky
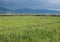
[[36, 4]]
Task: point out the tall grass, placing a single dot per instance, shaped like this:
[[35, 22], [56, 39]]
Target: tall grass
[[29, 29]]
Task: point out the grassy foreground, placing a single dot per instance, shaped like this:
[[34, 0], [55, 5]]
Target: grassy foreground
[[29, 29]]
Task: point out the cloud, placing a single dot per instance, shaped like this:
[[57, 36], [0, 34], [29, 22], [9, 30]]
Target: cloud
[[54, 1], [14, 4], [53, 4], [24, 3]]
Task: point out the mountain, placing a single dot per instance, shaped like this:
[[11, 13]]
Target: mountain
[[28, 11], [37, 11], [4, 10]]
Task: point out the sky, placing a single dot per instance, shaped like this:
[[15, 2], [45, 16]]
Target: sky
[[34, 4]]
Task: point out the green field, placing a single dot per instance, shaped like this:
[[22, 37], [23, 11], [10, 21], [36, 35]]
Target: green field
[[29, 29]]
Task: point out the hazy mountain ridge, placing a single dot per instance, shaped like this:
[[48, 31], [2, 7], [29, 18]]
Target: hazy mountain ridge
[[29, 10], [5, 10]]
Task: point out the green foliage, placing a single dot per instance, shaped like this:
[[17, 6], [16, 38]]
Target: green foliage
[[29, 29]]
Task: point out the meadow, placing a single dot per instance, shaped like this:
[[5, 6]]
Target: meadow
[[29, 29]]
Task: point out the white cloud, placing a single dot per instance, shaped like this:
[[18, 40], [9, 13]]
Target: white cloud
[[54, 1]]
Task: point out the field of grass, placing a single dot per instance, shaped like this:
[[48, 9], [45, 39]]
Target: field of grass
[[29, 29]]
